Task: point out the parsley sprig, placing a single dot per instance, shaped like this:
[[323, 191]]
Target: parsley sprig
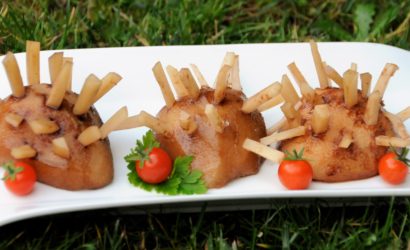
[[182, 180], [142, 149]]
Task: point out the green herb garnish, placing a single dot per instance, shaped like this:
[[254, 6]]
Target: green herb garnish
[[142, 149], [182, 180]]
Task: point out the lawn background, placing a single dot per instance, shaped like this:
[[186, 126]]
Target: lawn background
[[381, 223]]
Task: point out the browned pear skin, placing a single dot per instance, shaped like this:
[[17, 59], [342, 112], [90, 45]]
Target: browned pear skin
[[89, 167], [330, 162], [220, 156]]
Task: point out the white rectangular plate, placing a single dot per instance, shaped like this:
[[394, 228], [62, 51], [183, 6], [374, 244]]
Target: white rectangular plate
[[260, 65]]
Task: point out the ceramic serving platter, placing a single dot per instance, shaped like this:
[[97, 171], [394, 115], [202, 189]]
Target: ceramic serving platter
[[260, 65]]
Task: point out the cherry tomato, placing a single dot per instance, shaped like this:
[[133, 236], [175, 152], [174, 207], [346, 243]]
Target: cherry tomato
[[392, 169], [295, 174], [157, 168], [19, 178]]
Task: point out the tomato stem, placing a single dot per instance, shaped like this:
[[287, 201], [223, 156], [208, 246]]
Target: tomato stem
[[401, 155], [11, 171], [294, 156]]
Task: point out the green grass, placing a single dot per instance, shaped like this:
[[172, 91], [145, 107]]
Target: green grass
[[383, 224], [97, 23]]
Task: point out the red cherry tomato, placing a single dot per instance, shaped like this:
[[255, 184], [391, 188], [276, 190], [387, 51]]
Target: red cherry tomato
[[392, 170], [157, 168], [19, 178], [295, 174]]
